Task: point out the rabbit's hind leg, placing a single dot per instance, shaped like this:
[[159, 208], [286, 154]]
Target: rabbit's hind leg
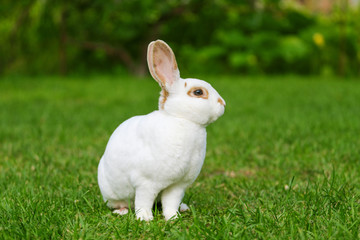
[[119, 207], [121, 211]]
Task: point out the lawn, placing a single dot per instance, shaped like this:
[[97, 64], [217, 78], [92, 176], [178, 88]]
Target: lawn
[[282, 163]]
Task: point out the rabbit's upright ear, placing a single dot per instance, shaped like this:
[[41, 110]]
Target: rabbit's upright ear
[[162, 63]]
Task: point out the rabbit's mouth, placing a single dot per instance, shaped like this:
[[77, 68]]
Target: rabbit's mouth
[[219, 112]]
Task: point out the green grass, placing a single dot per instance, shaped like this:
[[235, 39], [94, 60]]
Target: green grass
[[282, 163]]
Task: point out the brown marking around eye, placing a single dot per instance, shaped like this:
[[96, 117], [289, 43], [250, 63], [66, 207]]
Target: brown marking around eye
[[205, 94], [185, 84]]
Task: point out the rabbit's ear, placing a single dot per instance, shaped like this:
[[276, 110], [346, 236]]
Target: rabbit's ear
[[162, 63]]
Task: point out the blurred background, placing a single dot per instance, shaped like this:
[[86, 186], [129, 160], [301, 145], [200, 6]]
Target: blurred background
[[307, 37]]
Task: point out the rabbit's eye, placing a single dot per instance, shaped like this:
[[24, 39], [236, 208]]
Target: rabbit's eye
[[198, 92]]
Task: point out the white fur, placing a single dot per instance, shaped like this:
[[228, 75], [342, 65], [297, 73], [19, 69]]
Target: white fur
[[161, 153], [121, 211]]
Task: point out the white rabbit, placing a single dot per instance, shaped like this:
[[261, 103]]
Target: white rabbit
[[160, 154]]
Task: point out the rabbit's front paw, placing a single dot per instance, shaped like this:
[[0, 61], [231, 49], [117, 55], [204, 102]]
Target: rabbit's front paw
[[144, 215], [184, 207], [170, 214]]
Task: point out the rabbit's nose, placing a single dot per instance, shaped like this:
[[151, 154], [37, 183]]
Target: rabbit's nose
[[221, 101]]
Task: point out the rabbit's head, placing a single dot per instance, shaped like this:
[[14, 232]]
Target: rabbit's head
[[192, 99]]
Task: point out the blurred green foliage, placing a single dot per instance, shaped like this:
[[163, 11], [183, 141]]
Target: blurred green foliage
[[208, 36]]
